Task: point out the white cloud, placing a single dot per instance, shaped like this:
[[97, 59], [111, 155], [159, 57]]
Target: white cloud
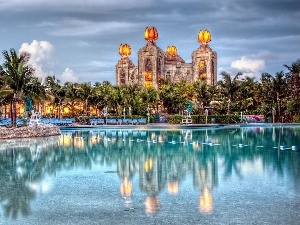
[[249, 64], [68, 76], [40, 56], [253, 65]]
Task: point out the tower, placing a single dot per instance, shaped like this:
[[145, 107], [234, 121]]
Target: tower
[[150, 61], [125, 69], [204, 60]]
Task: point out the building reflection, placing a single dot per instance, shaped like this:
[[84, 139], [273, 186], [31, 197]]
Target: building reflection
[[126, 170], [206, 201], [159, 160], [152, 178], [205, 177]]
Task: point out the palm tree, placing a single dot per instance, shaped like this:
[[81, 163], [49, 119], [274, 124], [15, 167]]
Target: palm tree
[[16, 74], [229, 87], [245, 96], [36, 91], [293, 79], [57, 92], [172, 98], [273, 90], [201, 93], [266, 94], [293, 85], [72, 96], [132, 98], [149, 97], [279, 89], [86, 92]]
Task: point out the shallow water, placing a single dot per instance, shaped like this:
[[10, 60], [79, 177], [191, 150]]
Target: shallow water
[[245, 175]]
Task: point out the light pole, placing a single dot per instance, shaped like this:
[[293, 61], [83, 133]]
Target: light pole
[[148, 113], [129, 111], [124, 112], [206, 114], [105, 114], [274, 113], [241, 117]]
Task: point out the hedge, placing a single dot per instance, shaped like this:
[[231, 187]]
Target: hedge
[[200, 119]]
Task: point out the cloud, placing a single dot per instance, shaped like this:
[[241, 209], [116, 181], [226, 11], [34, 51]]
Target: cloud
[[40, 56], [76, 27], [68, 76], [249, 64], [252, 65], [70, 5]]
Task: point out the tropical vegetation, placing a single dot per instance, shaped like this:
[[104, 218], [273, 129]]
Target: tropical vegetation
[[233, 94]]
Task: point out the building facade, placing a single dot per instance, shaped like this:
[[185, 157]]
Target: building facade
[[155, 65]]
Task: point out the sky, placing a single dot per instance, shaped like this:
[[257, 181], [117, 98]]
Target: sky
[[78, 41]]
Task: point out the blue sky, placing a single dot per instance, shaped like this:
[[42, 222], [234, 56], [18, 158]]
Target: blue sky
[[78, 41]]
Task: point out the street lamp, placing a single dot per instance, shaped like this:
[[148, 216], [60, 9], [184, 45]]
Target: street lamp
[[105, 114], [206, 114], [274, 113], [148, 113], [241, 117]]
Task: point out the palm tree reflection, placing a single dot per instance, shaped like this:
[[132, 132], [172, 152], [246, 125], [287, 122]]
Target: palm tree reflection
[[162, 159]]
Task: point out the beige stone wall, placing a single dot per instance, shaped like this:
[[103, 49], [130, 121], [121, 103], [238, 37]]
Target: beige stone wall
[[177, 72], [208, 58], [125, 71]]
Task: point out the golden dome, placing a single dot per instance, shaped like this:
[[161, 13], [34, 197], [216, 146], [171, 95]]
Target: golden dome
[[124, 50], [151, 34], [171, 51], [204, 36]]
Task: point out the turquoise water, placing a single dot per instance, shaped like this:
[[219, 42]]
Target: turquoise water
[[248, 175]]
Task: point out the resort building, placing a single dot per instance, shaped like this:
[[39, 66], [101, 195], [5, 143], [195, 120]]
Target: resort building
[[154, 64]]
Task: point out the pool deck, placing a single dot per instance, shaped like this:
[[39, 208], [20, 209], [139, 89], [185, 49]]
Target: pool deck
[[166, 126]]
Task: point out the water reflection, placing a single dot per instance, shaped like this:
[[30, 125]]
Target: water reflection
[[22, 169], [161, 160]]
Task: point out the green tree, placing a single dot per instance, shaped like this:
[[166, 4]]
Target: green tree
[[71, 96], [202, 94], [57, 92], [172, 98], [293, 86], [279, 86], [229, 88], [16, 74], [86, 92], [150, 96], [245, 100]]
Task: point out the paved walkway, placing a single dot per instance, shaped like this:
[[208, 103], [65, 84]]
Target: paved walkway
[[168, 126]]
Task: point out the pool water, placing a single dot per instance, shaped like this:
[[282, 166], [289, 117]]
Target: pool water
[[238, 175]]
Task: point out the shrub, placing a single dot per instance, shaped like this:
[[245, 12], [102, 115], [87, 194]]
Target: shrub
[[296, 119], [174, 119], [201, 119]]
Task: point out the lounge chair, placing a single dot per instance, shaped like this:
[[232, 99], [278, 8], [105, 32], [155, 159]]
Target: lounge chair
[[142, 121], [129, 121]]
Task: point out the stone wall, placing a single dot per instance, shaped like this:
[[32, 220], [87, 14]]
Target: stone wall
[[40, 130]]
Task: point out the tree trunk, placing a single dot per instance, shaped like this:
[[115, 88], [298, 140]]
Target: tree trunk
[[279, 105], [59, 109], [86, 107], [14, 109], [228, 106], [5, 111], [10, 110]]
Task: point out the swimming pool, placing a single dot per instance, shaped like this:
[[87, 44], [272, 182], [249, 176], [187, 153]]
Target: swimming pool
[[235, 175]]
